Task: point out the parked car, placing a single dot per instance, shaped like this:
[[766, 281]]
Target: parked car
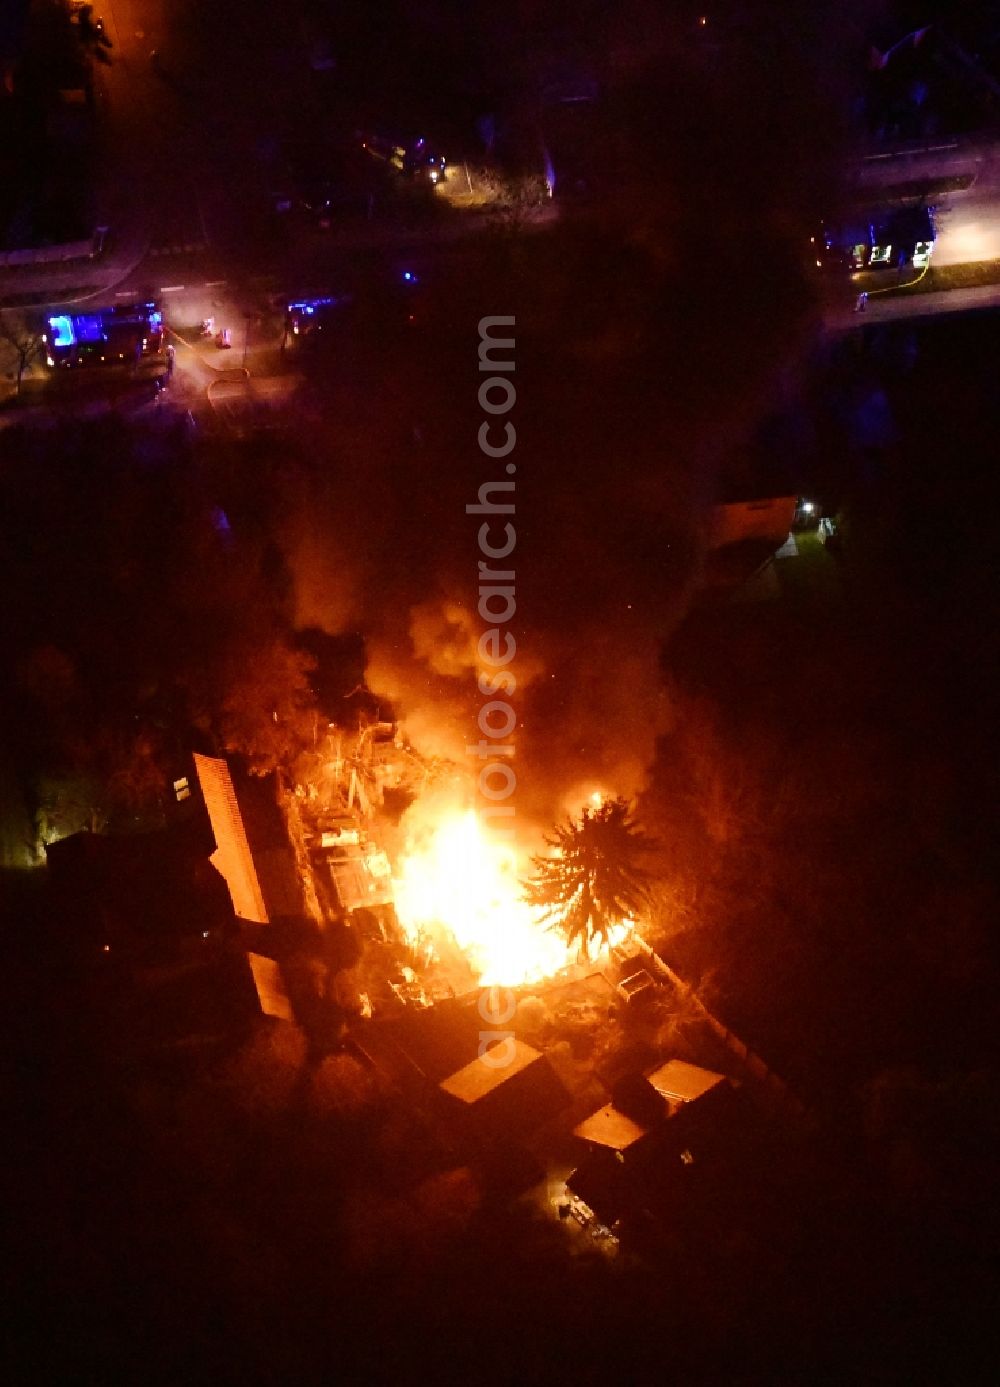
[[421, 162], [413, 157], [879, 239], [307, 318]]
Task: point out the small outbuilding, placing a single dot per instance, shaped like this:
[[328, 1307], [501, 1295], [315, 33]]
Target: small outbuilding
[[511, 1087]]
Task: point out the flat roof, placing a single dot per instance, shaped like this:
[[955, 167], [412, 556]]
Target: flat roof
[[683, 1082], [610, 1127], [676, 1081], [479, 1078], [271, 993]]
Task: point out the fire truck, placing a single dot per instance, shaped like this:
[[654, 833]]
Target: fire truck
[[885, 239], [126, 333]]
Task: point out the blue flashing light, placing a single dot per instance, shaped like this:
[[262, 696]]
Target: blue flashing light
[[89, 327], [62, 330], [309, 306], [155, 319], [409, 276]]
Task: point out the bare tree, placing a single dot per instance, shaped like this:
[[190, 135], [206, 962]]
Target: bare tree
[[27, 341]]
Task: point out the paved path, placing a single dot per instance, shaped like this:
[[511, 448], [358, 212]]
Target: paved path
[[890, 307], [967, 220]]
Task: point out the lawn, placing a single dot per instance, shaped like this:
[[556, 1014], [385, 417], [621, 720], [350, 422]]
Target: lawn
[[935, 280]]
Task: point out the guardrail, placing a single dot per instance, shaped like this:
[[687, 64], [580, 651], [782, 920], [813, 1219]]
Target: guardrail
[[56, 255]]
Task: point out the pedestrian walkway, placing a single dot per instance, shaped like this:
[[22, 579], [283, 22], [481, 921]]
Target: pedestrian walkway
[[890, 307]]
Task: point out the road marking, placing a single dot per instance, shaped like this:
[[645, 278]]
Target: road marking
[[910, 153], [172, 288], [215, 284]]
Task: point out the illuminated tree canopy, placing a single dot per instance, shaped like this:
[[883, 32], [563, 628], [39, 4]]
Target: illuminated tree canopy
[[592, 879]]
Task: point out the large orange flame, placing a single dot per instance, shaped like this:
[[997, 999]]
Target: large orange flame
[[458, 882]]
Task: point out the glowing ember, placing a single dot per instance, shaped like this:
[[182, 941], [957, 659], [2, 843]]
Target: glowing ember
[[458, 881]]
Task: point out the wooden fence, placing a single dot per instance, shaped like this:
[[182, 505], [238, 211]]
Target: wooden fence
[[755, 1067]]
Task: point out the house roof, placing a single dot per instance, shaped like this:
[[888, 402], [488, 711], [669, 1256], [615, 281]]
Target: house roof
[[676, 1081], [506, 1101], [611, 1128], [682, 1082], [692, 1154], [271, 991], [481, 1077]]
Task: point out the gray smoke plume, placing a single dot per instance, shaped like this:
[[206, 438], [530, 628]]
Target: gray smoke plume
[[648, 344]]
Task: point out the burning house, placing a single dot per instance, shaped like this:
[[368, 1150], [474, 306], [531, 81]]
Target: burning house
[[352, 873]]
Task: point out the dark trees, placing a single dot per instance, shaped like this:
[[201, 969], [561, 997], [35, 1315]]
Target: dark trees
[[138, 619], [25, 341]]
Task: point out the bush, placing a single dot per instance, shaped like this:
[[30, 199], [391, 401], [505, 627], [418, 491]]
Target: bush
[[264, 1076], [341, 1087]]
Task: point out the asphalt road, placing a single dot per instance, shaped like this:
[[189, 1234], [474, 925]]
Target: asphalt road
[[181, 169], [967, 219], [967, 222], [178, 184], [190, 119]]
